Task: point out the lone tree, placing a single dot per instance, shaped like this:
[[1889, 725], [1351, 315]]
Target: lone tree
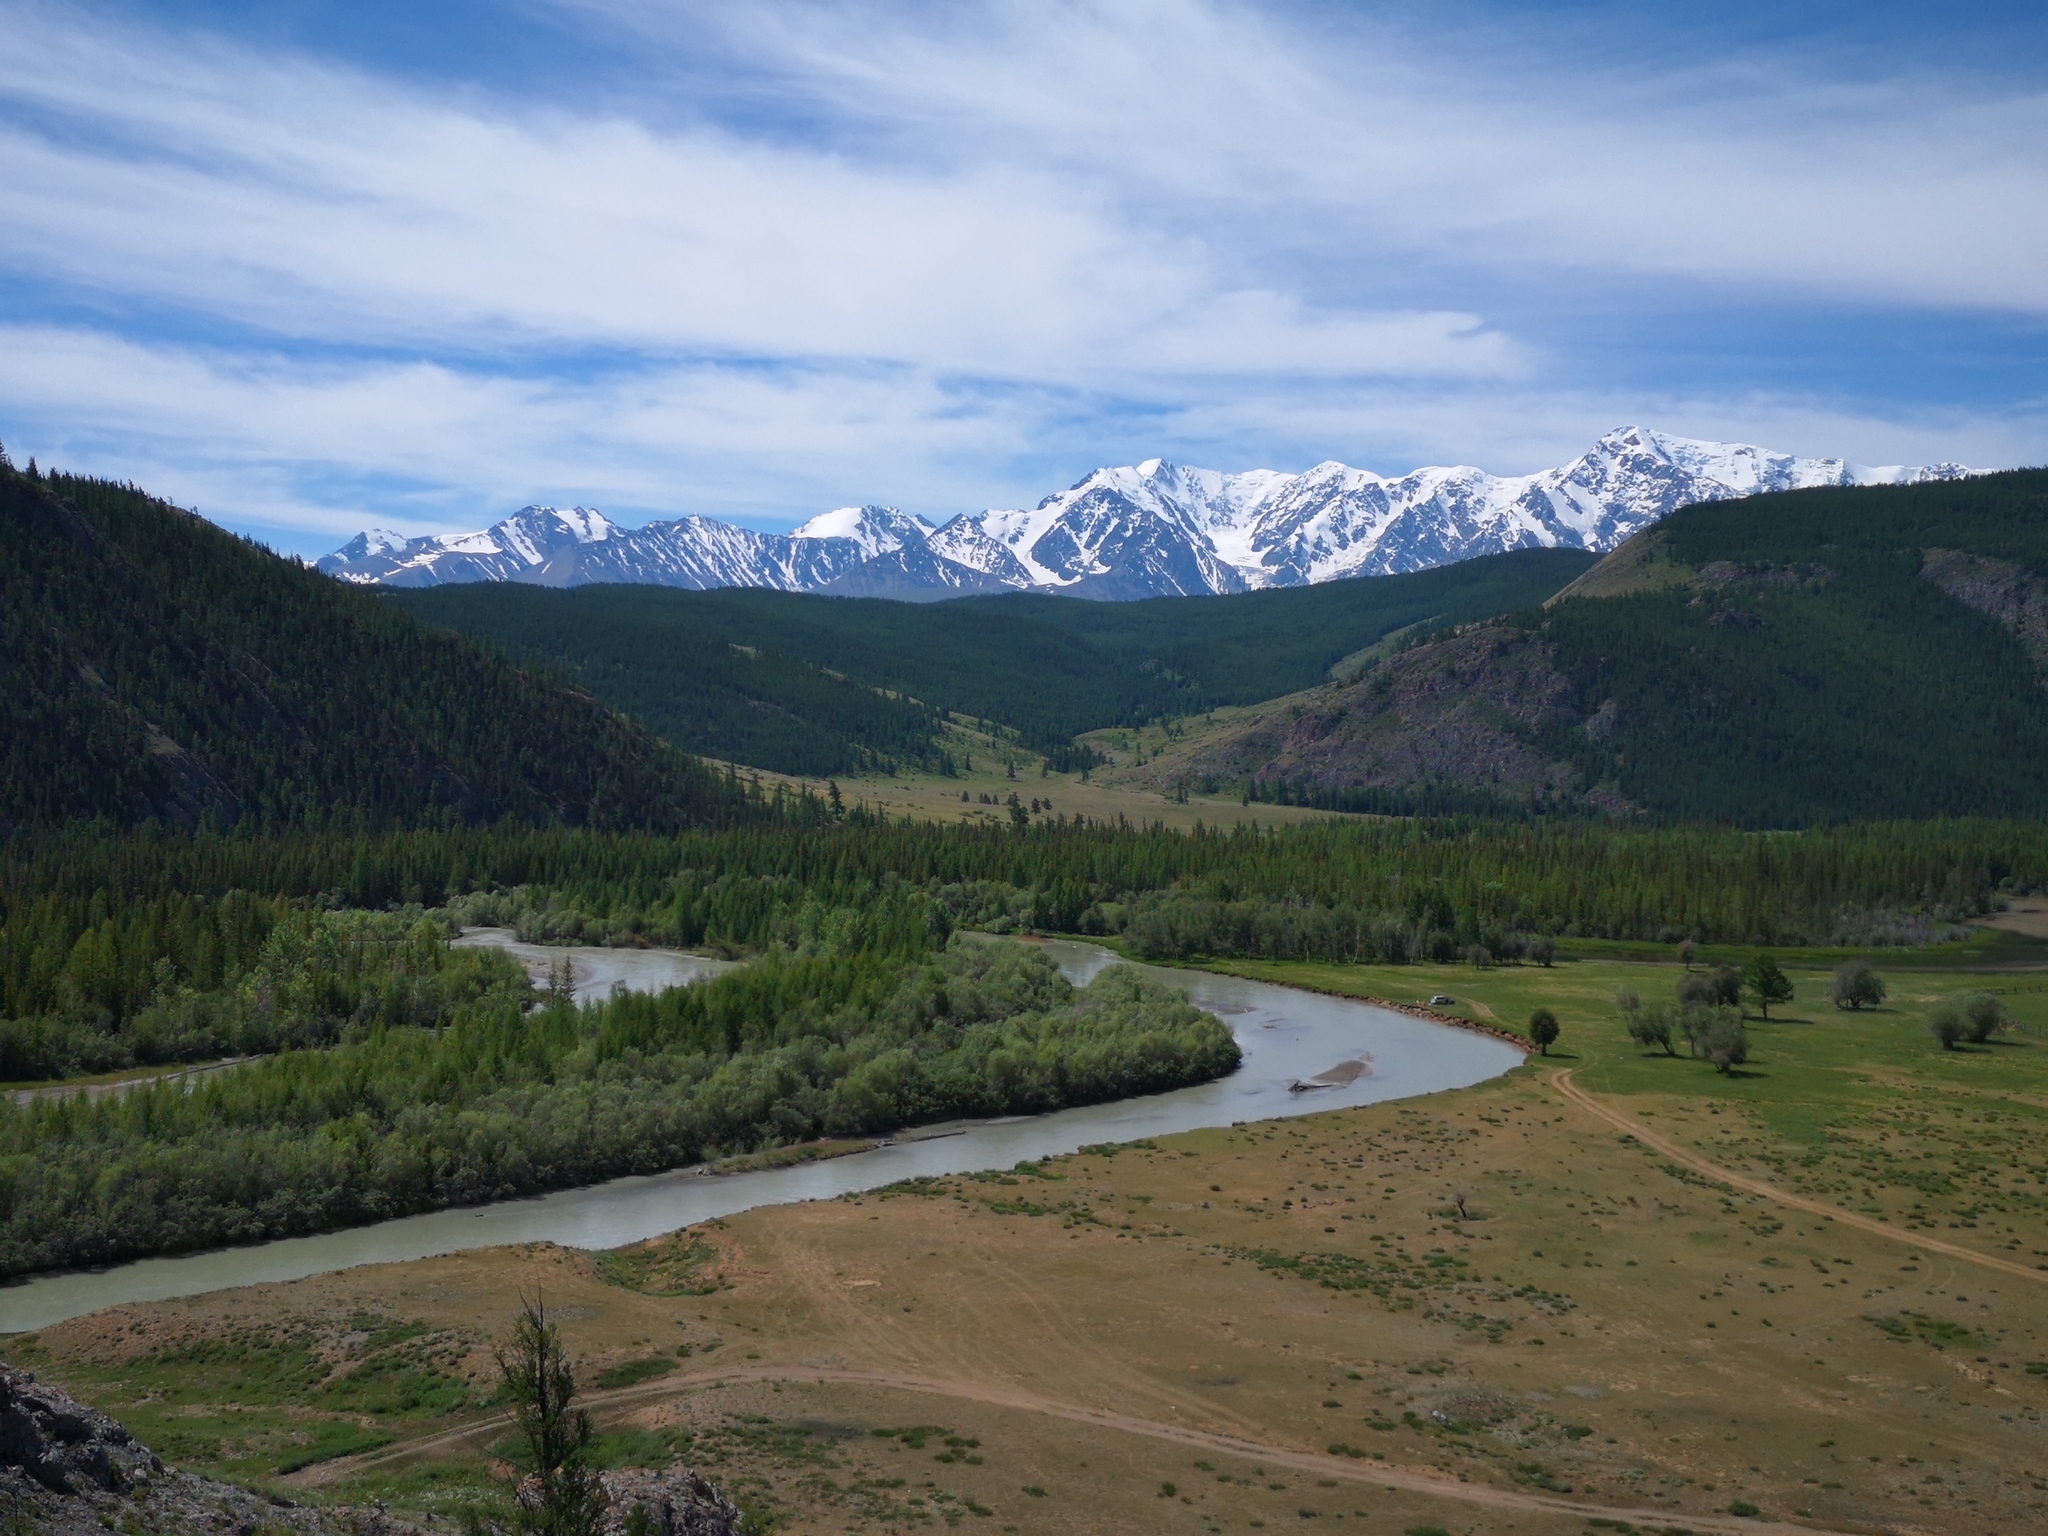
[[1543, 1029], [1688, 952], [1764, 982], [563, 1498], [1855, 986]]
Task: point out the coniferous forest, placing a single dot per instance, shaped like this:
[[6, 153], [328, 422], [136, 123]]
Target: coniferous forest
[[247, 808]]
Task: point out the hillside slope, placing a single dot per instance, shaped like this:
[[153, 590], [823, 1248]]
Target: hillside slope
[[1822, 655], [155, 667], [1048, 667]]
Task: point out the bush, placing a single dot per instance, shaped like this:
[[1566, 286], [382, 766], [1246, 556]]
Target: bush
[[1720, 988], [1985, 1014], [1717, 1035], [1649, 1027], [1855, 985], [1948, 1025]]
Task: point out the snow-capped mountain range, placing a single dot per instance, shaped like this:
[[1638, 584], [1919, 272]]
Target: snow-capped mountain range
[[1148, 530]]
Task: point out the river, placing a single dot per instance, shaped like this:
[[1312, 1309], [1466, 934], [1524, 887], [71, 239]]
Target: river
[[1286, 1035]]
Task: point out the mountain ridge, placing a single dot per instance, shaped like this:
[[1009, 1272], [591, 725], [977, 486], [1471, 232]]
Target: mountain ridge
[[1123, 533], [1826, 655]]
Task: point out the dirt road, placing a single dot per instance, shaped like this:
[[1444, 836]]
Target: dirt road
[[1379, 1474], [1562, 1082]]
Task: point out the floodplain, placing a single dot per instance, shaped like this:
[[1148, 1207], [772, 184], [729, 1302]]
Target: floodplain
[[1614, 1290]]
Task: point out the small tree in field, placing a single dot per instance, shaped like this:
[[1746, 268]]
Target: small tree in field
[[1718, 1036], [1948, 1025], [1543, 1029], [1764, 982], [1687, 953], [539, 1385], [1986, 1016], [1855, 985], [1646, 1026]]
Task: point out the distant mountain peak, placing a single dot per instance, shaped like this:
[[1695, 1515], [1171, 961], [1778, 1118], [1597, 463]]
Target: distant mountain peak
[[1150, 529]]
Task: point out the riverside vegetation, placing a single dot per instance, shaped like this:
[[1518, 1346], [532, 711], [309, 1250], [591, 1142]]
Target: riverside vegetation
[[835, 1037]]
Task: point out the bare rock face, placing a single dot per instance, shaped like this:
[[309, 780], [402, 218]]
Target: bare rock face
[[642, 1503], [678, 1503], [64, 1446], [69, 1470]]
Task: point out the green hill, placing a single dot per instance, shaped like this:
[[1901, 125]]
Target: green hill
[[1814, 656], [153, 666], [790, 681]]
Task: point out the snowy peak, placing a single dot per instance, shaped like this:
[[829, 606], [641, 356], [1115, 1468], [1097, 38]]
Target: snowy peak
[[875, 530], [368, 543], [499, 553], [1150, 529]]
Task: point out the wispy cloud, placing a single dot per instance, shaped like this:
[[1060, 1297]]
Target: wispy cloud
[[805, 254]]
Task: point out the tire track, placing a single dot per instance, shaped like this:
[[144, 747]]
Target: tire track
[[1343, 1469], [1562, 1082]]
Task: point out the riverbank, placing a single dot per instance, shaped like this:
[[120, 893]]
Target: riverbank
[[1285, 1034]]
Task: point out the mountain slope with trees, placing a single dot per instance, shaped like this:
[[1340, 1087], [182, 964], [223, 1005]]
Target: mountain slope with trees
[[154, 667], [786, 680], [1816, 656]]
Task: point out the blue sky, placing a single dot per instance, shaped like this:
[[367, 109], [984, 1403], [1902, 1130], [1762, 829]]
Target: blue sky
[[318, 267]]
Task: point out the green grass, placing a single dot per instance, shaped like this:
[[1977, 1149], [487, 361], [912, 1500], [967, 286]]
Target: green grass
[[632, 1372], [1984, 946], [271, 1399], [1861, 1109]]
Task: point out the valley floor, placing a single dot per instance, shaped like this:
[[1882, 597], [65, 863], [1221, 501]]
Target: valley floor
[[1115, 791], [1609, 1291]]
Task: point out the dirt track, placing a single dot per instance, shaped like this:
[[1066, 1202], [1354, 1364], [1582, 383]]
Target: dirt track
[[1378, 1474], [1562, 1082]]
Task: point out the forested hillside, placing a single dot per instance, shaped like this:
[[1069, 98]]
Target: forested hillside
[[1782, 661], [744, 702], [154, 667], [1048, 667]]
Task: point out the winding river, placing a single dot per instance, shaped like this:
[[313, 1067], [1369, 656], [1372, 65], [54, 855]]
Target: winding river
[[1288, 1036]]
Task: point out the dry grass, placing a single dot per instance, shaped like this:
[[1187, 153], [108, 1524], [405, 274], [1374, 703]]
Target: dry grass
[[1603, 1327]]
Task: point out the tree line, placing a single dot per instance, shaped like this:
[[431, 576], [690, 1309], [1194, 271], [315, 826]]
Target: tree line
[[96, 924], [499, 1099]]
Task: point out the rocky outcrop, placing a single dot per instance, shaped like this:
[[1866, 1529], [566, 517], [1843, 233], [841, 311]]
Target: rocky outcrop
[[69, 1470], [2009, 593], [1464, 710], [62, 1445], [678, 1503]]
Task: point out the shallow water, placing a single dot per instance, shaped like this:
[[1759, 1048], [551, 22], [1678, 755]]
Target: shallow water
[[594, 971], [1286, 1036]]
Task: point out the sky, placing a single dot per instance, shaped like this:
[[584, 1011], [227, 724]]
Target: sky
[[313, 268]]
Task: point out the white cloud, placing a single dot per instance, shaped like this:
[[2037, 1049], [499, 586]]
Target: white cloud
[[1918, 187], [944, 258], [314, 201], [321, 451]]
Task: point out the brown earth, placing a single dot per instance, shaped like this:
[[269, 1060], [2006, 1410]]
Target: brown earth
[[1275, 1319]]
